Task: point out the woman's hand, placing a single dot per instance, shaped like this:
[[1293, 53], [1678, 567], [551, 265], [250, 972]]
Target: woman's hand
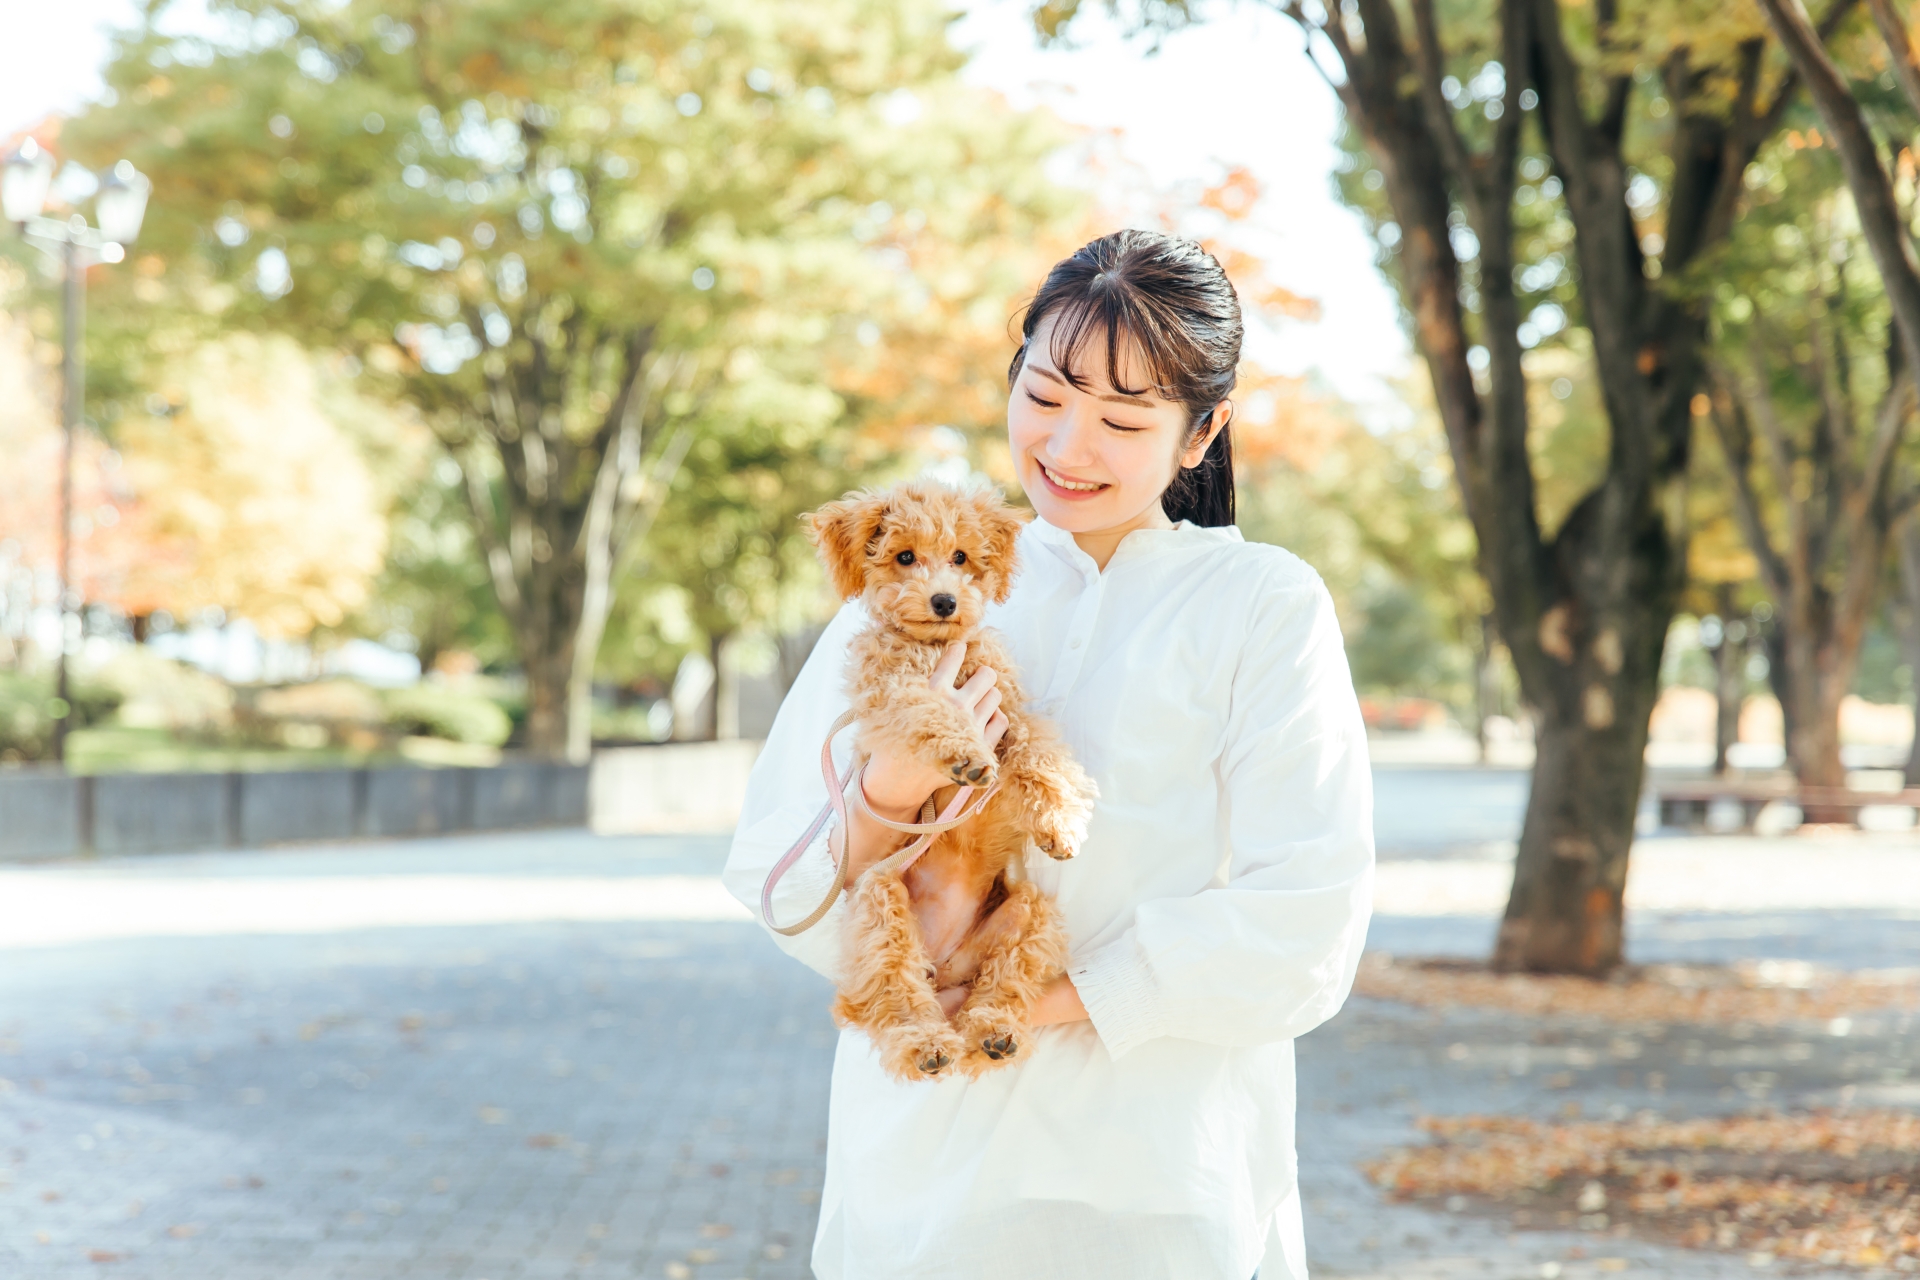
[[1060, 1002], [895, 788]]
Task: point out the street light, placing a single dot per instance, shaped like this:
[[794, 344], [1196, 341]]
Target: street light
[[120, 203]]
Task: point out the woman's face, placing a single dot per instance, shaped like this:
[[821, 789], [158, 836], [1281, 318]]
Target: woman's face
[[1094, 459]]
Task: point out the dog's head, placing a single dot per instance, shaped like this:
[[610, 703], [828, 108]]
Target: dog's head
[[927, 558]]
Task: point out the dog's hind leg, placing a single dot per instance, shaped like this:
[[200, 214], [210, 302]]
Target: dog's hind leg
[[887, 988], [1022, 949]]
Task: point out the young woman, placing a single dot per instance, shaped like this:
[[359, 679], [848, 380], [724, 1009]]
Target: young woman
[[1218, 906]]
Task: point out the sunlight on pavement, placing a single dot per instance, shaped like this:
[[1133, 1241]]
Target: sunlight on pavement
[[43, 908]]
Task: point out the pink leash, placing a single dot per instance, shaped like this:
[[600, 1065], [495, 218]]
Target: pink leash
[[925, 830]]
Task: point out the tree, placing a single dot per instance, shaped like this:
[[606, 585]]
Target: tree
[[559, 228], [248, 494], [1811, 402], [1647, 117]]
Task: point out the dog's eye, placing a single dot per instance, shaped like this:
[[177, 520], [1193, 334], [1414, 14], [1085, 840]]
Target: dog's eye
[[905, 557], [959, 557]]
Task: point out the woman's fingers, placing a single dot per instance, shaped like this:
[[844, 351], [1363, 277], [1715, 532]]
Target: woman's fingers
[[995, 728], [977, 687], [985, 709], [947, 669]]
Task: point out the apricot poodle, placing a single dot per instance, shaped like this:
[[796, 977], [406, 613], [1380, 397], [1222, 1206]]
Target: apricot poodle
[[927, 560]]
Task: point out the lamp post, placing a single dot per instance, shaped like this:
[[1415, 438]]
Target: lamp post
[[120, 204]]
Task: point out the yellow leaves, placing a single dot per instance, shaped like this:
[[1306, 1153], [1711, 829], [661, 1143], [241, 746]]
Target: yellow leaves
[[251, 496]]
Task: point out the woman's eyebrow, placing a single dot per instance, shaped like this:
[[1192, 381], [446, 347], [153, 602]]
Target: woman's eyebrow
[[1116, 398]]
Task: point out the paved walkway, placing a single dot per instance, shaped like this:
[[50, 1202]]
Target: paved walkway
[[560, 1056]]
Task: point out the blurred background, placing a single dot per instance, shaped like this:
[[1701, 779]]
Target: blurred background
[[406, 412]]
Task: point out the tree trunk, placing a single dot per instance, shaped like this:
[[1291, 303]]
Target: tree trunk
[[1484, 704], [1910, 630], [1565, 912], [724, 697], [1817, 679], [547, 678], [1729, 684], [1597, 681]]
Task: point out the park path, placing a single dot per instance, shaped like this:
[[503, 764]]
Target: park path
[[556, 1055]]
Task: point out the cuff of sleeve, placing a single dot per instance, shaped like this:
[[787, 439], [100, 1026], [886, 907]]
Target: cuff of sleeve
[[1118, 990]]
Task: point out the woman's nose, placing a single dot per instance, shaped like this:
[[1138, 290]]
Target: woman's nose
[[1071, 439]]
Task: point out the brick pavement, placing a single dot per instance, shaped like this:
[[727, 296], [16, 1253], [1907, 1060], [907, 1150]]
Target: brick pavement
[[645, 1097]]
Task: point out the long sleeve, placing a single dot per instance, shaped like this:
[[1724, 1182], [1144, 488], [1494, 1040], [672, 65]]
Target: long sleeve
[[785, 793], [1271, 953]]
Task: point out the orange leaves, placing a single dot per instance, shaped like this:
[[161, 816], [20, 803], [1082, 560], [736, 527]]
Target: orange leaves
[[1280, 419], [1234, 195], [1762, 993]]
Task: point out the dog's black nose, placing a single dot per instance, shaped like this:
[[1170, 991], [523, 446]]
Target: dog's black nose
[[944, 605]]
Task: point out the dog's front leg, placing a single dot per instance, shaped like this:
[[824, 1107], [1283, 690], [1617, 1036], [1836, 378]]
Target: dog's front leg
[[887, 989], [1054, 795], [903, 716]]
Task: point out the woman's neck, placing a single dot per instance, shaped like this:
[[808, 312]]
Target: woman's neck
[[1102, 543]]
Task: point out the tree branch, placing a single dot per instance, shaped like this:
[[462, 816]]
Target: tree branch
[[1894, 32], [1873, 194], [1736, 442]]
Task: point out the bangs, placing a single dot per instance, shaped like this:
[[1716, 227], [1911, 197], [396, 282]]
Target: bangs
[[1111, 320]]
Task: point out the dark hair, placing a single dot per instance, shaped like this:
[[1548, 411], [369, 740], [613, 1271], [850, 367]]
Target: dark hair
[[1172, 299]]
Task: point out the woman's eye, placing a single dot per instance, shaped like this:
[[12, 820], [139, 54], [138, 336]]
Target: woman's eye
[[1044, 404], [905, 557], [1122, 427], [959, 557]]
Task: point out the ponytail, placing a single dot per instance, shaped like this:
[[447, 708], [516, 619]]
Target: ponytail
[[1203, 493]]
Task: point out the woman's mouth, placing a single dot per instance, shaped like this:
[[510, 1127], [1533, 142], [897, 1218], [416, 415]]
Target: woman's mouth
[[1067, 487]]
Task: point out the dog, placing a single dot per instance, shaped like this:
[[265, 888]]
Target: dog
[[927, 560]]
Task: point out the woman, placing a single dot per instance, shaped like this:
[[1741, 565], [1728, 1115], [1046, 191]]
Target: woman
[[1219, 903]]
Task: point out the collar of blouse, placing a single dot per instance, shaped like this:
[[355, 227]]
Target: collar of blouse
[[1139, 544]]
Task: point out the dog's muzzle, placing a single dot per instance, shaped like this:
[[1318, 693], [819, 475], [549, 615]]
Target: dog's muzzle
[[944, 605]]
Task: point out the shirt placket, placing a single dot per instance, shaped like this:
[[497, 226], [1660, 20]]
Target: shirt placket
[[1078, 638]]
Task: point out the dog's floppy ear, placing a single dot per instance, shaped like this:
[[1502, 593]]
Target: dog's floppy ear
[[1002, 527], [842, 531]]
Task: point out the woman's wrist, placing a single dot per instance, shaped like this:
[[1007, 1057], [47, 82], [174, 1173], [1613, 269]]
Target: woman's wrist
[[885, 799]]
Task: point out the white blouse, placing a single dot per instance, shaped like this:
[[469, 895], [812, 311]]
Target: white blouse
[[1216, 911]]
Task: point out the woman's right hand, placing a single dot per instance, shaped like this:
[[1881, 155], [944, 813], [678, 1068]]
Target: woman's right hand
[[895, 787]]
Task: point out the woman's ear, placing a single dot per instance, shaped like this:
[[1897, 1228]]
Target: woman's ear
[[1216, 423], [842, 531], [1002, 525]]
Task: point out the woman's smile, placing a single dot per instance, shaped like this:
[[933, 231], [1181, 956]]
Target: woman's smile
[[1067, 486]]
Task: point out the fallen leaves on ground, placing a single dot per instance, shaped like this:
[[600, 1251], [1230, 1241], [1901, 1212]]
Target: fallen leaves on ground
[[1834, 1188], [1763, 992]]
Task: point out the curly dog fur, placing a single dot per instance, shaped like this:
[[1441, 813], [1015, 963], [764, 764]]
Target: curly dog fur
[[928, 560]]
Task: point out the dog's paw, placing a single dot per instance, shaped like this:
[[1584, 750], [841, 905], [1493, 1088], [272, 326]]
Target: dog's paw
[[914, 1053], [1057, 838], [994, 1038], [974, 770]]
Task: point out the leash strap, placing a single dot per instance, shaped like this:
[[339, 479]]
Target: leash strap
[[929, 826]]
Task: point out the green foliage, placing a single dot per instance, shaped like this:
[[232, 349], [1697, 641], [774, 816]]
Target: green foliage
[[434, 596], [1376, 514], [29, 711], [436, 711], [571, 232]]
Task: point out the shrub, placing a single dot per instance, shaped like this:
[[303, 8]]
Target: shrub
[[435, 711]]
